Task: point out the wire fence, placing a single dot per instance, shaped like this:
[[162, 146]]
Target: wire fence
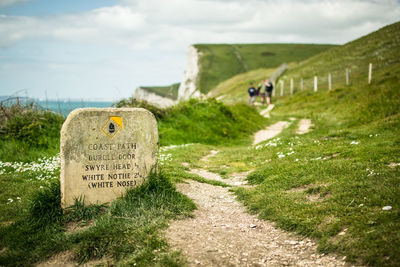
[[287, 85]]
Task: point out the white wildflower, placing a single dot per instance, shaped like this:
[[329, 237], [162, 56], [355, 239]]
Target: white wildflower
[[354, 143], [165, 148]]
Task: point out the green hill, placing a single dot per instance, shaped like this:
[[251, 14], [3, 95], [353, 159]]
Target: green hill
[[219, 62], [381, 48], [170, 91]]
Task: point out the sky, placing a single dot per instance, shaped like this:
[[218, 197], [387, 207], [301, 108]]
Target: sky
[[104, 49]]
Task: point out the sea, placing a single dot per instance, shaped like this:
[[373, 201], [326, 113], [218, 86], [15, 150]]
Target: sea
[[66, 106]]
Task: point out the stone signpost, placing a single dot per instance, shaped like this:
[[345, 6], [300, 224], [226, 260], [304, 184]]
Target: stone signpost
[[106, 151]]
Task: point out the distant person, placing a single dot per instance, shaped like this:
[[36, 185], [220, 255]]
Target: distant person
[[252, 93], [261, 88], [258, 91], [268, 90]]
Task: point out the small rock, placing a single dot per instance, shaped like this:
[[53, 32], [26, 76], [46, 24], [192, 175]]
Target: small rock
[[387, 208], [361, 205], [253, 226], [197, 262], [343, 232]]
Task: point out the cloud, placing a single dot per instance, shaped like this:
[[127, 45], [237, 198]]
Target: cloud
[[105, 25], [145, 23]]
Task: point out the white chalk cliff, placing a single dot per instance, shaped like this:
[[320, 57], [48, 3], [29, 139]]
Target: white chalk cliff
[[188, 88], [152, 98]]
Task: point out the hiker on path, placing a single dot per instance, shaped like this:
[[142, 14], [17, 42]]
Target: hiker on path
[[261, 88], [258, 91], [252, 93], [268, 90]]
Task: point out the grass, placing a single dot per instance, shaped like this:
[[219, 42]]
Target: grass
[[379, 48], [189, 122], [27, 133], [127, 232], [332, 184]]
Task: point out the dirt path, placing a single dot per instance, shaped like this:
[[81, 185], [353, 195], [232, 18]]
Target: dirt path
[[304, 126], [270, 132], [266, 111], [221, 233]]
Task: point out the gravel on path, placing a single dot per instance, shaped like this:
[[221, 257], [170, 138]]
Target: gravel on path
[[269, 132], [221, 233], [266, 111], [304, 126]]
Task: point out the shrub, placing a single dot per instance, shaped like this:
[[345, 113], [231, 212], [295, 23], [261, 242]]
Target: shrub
[[30, 126], [135, 103]]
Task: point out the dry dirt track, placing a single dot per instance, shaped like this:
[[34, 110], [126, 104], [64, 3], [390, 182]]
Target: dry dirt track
[[221, 233]]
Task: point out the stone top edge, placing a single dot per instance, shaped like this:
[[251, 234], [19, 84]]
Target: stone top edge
[[76, 112], [80, 110]]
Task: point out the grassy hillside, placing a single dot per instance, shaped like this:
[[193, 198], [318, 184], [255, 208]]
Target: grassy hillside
[[219, 62], [170, 91], [189, 122], [380, 48]]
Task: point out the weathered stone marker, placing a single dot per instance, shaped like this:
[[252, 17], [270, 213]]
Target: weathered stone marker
[[106, 151]]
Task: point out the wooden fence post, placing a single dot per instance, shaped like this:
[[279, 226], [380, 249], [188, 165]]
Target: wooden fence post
[[273, 91], [315, 83], [282, 87], [330, 81], [291, 86], [370, 73], [347, 76]]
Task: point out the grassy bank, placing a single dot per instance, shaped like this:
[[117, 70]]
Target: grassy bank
[[33, 227], [202, 121], [209, 122], [127, 231], [27, 132]]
